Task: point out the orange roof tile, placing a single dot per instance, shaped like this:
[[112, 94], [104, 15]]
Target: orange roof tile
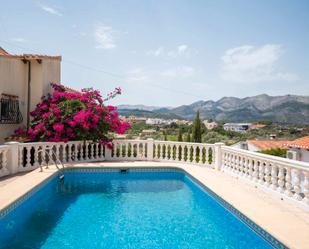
[[302, 142], [269, 144], [3, 52], [70, 89], [257, 126], [29, 56]]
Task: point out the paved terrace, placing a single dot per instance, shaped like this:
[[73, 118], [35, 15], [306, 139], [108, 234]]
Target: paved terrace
[[273, 192], [283, 219]]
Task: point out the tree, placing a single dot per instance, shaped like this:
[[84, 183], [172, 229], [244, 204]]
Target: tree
[[165, 135], [188, 139], [180, 135], [197, 129]]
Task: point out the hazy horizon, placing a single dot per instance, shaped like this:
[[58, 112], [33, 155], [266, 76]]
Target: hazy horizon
[[168, 53]]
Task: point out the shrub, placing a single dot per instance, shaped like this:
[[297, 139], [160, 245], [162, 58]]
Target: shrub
[[62, 116]]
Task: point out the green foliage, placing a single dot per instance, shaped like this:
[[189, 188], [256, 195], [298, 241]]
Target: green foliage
[[188, 138], [180, 136], [275, 152], [197, 129], [165, 136]]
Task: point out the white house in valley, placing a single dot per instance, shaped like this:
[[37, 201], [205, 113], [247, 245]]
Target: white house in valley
[[210, 124], [299, 149], [238, 127], [259, 145], [24, 79]]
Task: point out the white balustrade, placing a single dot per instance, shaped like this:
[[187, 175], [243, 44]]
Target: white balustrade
[[288, 177], [189, 153], [284, 176]]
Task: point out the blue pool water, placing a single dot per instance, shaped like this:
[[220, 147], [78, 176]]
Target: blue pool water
[[131, 210]]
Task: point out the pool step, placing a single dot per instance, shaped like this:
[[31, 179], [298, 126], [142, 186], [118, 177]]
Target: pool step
[[124, 171]]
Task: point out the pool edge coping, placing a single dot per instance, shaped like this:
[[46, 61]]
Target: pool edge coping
[[254, 226]]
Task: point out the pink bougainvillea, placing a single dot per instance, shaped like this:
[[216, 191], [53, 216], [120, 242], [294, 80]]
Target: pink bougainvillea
[[63, 115]]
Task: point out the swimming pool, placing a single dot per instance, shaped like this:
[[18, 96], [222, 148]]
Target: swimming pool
[[136, 208]]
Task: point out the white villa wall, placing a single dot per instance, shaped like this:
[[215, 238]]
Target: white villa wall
[[251, 147], [13, 78], [304, 155], [14, 81], [51, 73]]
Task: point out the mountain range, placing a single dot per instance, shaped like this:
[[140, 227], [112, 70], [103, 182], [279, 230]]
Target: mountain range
[[282, 109]]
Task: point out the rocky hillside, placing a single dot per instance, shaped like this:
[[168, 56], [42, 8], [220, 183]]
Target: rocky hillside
[[283, 109]]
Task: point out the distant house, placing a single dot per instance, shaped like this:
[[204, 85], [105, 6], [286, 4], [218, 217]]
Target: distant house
[[120, 136], [156, 121], [238, 127], [148, 132], [136, 120], [210, 125], [259, 145], [299, 149], [24, 79], [257, 126]]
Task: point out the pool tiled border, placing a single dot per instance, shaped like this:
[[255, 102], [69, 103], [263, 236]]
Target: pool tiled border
[[240, 216], [10, 208], [230, 208]]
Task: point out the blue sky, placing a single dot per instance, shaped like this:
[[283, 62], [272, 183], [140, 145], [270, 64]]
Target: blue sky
[[168, 53]]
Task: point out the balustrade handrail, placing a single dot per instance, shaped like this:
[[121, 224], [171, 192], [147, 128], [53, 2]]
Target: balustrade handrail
[[182, 143], [287, 162], [4, 147]]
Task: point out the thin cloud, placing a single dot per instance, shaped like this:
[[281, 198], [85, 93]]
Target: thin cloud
[[50, 9], [254, 64], [104, 37], [18, 39], [157, 52], [182, 72], [137, 75], [181, 50]]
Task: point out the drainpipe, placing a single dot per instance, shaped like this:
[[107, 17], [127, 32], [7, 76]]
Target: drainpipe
[[25, 61], [29, 94]]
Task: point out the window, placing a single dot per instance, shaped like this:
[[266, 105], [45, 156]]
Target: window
[[9, 110]]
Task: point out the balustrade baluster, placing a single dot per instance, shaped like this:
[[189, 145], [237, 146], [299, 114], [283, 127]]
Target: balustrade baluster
[[183, 153], [243, 171], [120, 150], [297, 187], [250, 169], [144, 150], [256, 171], [288, 183], [177, 152], [306, 187], [200, 162], [4, 159], [20, 156], [92, 147], [236, 164], [281, 179], [261, 172], [274, 177], [267, 175], [36, 156], [207, 156]]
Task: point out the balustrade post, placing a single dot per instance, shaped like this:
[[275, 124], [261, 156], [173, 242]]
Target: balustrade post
[[13, 157], [149, 149], [217, 155], [108, 153]]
